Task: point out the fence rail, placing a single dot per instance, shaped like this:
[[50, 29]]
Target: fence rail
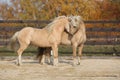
[[95, 29], [44, 21], [97, 35]]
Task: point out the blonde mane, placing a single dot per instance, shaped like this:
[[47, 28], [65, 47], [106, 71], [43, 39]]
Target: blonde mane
[[81, 23], [50, 26]]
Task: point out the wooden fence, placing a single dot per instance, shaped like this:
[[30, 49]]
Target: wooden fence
[[98, 32]]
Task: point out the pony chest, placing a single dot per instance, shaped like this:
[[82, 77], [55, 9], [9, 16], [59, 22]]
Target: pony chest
[[54, 39]]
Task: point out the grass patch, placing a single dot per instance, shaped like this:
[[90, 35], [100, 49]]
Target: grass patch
[[30, 51], [98, 50], [67, 50]]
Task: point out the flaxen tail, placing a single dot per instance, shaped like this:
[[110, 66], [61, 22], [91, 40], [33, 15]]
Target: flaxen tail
[[13, 41]]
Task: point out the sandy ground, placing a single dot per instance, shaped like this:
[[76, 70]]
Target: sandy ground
[[90, 69]]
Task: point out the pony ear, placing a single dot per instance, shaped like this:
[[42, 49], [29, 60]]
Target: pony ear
[[79, 17]]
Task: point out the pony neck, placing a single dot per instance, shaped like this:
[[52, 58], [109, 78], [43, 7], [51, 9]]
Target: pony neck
[[82, 27]]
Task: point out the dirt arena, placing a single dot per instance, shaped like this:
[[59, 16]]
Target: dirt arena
[[91, 68]]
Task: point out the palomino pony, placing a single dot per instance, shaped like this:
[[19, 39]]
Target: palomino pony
[[76, 38], [50, 36]]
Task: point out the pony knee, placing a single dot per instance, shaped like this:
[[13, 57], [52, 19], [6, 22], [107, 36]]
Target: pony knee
[[20, 51]]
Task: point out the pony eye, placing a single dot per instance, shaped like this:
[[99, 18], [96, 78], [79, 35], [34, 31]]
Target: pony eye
[[76, 20]]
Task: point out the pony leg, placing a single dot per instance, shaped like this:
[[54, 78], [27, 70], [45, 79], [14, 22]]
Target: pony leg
[[55, 54], [19, 61], [74, 54], [45, 55], [43, 59], [20, 51], [19, 57], [80, 53], [40, 54], [48, 52], [40, 58], [51, 56]]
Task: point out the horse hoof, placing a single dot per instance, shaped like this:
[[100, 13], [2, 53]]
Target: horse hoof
[[19, 64], [42, 63], [49, 63], [78, 64], [55, 64]]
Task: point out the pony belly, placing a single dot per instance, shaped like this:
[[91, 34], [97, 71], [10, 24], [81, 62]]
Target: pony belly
[[41, 44]]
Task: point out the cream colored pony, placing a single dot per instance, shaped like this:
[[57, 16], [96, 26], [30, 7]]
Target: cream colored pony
[[76, 38], [50, 36]]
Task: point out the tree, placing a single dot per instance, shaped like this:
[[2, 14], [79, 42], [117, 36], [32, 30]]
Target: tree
[[6, 11], [85, 8], [48, 9], [110, 9]]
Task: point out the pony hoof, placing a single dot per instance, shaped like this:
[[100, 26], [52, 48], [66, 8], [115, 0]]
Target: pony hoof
[[49, 63], [78, 64], [55, 64], [19, 64], [42, 63]]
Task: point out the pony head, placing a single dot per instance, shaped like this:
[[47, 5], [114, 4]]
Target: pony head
[[75, 22], [72, 21]]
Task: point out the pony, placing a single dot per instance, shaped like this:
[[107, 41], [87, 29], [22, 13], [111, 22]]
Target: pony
[[49, 36], [76, 38]]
